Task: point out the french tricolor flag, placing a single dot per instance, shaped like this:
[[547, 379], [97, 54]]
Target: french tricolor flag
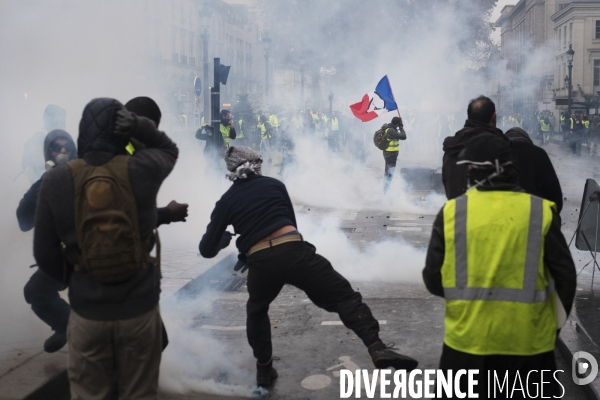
[[375, 103]]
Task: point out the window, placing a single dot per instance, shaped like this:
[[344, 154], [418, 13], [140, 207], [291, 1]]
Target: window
[[596, 72], [597, 36], [559, 36], [565, 37]]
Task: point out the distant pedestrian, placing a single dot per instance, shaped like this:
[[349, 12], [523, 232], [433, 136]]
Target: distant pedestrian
[[392, 133]]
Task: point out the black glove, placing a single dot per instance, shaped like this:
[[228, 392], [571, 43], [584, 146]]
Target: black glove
[[225, 240], [179, 211], [240, 265], [125, 123]]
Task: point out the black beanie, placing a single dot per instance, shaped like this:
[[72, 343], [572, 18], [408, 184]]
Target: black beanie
[[145, 107], [485, 148], [396, 121]]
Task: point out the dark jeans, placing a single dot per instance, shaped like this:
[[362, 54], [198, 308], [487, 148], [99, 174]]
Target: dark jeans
[[500, 364], [390, 167], [576, 140], [297, 264], [41, 292]]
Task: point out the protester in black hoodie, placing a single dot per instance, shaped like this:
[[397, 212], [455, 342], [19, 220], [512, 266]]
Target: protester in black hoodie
[[112, 327], [41, 291], [481, 118], [536, 172]]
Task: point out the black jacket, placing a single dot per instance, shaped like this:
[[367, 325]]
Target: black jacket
[[256, 207], [26, 208], [536, 172], [557, 257], [55, 216], [454, 176]]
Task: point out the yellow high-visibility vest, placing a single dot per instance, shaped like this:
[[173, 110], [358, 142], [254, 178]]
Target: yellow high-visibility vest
[[500, 297], [544, 127], [263, 132], [335, 125], [394, 144], [586, 123], [274, 121], [225, 133]]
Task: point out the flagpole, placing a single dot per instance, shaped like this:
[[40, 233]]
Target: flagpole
[[393, 97]]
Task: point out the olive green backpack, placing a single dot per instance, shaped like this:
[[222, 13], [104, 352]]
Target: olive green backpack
[[106, 221]]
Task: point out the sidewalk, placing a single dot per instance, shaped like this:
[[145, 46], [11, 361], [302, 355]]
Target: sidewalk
[[582, 330]]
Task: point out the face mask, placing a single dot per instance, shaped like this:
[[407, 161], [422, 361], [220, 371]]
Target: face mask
[[61, 159], [225, 121]]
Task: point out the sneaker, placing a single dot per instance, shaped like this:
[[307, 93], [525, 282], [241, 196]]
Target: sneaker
[[384, 356], [55, 342], [265, 374]]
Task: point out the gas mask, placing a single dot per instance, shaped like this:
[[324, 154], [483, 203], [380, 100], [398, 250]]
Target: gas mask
[[60, 159]]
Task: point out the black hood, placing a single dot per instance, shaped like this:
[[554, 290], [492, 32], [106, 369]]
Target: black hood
[[518, 135], [456, 143], [97, 126], [51, 137]]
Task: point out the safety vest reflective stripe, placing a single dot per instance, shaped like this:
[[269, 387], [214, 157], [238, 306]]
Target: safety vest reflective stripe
[[335, 125], [394, 144], [225, 132], [527, 294]]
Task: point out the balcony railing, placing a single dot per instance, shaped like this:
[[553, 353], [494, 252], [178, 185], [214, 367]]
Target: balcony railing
[[182, 59]]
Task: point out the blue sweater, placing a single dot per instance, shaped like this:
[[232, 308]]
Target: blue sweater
[[256, 207]]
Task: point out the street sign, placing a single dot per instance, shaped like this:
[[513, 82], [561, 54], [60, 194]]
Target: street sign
[[226, 104], [198, 86]]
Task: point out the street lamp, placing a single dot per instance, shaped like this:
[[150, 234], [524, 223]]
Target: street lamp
[[267, 43], [205, 16], [330, 103], [570, 53]]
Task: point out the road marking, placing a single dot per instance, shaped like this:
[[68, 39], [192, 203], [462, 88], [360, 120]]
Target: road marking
[[404, 228], [297, 207], [403, 217], [349, 216], [223, 328], [316, 382], [382, 322]]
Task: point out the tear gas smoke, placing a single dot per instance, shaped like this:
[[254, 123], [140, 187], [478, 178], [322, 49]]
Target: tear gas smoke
[[66, 53]]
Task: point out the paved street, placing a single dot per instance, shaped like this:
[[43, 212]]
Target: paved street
[[208, 356]]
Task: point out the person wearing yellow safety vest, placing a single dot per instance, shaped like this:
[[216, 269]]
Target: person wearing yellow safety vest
[[266, 134], [585, 121], [562, 126], [544, 128], [227, 129], [498, 258], [394, 132], [240, 138], [334, 137]]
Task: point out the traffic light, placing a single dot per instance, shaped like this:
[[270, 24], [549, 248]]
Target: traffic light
[[223, 73]]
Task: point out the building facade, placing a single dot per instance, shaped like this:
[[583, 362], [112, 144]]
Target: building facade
[[578, 24], [175, 46], [529, 72]]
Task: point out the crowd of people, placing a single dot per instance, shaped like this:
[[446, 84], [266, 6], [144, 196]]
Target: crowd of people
[[496, 254]]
